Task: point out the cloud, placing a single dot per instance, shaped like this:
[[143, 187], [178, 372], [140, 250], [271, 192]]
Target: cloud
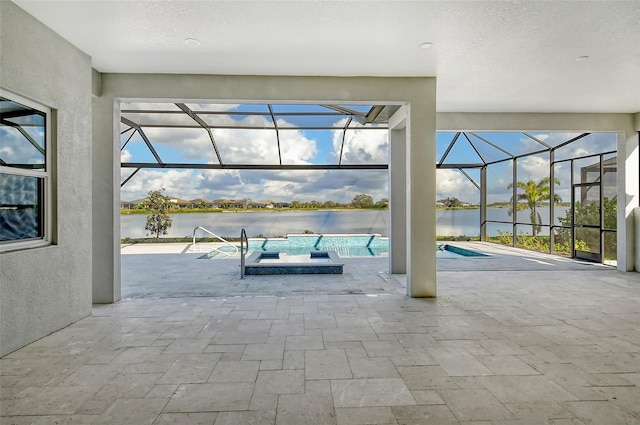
[[125, 156], [176, 183], [16, 149], [191, 145], [303, 185], [452, 183], [535, 167], [361, 146], [296, 148], [255, 143]]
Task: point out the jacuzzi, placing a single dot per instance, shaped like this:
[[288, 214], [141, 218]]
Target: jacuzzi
[[273, 262]]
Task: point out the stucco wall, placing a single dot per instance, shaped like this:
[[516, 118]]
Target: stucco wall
[[636, 215], [45, 289]]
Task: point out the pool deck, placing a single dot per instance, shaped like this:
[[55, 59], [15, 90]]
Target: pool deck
[[172, 270], [516, 338]]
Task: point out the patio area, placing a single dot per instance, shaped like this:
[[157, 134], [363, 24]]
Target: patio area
[[172, 270], [515, 338]]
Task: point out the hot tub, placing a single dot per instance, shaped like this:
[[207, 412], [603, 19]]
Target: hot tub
[[273, 262]]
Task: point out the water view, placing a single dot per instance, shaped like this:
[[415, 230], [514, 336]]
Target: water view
[[274, 223], [268, 224]]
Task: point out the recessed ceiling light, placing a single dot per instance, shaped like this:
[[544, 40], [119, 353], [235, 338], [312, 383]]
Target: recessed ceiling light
[[193, 42], [426, 45], [582, 58]]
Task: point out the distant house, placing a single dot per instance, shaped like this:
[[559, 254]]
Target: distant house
[[136, 203], [257, 204], [248, 203], [228, 203], [220, 203], [269, 204], [179, 203], [201, 203]]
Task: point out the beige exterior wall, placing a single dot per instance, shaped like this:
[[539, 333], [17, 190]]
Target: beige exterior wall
[[45, 289]]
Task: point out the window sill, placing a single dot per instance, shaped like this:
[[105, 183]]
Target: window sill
[[23, 245]]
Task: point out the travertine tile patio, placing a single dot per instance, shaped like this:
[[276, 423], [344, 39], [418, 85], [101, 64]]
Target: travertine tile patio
[[550, 346]]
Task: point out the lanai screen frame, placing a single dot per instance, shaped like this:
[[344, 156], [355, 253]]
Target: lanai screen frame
[[375, 118], [372, 119], [513, 158]]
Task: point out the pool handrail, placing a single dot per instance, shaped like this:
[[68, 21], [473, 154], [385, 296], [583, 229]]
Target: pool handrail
[[224, 241], [243, 239]]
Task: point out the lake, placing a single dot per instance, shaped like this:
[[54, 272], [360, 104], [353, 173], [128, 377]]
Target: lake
[[268, 223], [279, 223]]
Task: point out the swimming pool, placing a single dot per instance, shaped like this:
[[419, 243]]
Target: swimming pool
[[344, 245], [314, 262], [452, 251]]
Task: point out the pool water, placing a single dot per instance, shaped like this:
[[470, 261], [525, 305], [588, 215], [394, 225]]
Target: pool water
[[360, 245], [299, 246], [344, 251], [452, 251], [270, 262]]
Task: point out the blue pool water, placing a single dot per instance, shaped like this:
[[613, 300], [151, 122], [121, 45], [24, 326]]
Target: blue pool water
[[364, 245], [452, 251]]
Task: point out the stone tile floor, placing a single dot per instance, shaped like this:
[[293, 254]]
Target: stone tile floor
[[514, 347]]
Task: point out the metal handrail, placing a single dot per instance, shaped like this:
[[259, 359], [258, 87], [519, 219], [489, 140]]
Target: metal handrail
[[243, 239], [193, 243]]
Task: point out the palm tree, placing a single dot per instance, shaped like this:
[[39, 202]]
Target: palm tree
[[533, 194]]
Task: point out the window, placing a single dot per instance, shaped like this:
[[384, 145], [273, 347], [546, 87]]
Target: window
[[25, 173]]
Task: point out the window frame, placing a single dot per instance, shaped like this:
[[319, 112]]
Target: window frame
[[44, 174]]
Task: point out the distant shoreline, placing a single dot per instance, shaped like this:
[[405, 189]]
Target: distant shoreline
[[246, 210], [273, 210], [285, 210]]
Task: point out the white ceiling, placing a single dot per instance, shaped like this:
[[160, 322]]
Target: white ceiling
[[489, 56]]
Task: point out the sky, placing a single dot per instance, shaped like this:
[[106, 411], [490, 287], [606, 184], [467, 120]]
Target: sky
[[257, 144]]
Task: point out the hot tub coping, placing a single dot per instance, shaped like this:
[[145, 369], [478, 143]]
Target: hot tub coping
[[252, 267]]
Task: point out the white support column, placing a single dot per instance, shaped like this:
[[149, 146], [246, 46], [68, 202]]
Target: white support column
[[637, 238], [106, 200], [628, 187], [398, 192], [421, 197]]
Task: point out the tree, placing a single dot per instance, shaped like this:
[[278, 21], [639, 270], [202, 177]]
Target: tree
[[533, 194], [589, 213], [329, 204], [362, 201], [451, 202], [158, 221], [382, 203]]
